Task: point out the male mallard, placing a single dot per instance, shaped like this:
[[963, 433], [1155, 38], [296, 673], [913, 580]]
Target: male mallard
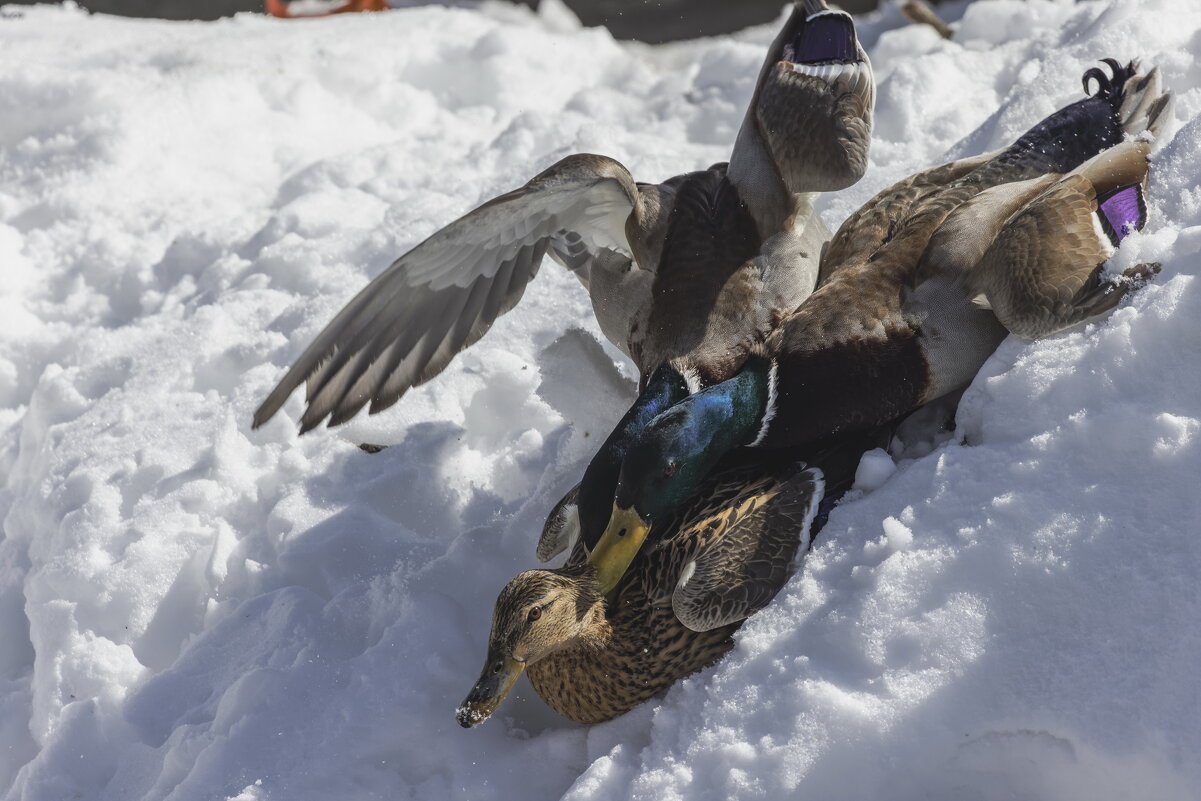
[[710, 253], [724, 557], [902, 315]]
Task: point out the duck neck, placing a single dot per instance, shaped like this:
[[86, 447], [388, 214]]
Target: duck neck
[[753, 173], [746, 405], [702, 429], [596, 630]]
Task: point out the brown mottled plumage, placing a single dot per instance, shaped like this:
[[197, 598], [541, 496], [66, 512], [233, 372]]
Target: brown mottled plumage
[[724, 557], [835, 127], [639, 648]]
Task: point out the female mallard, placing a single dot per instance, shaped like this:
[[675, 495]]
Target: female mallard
[[725, 555], [918, 288], [713, 252]]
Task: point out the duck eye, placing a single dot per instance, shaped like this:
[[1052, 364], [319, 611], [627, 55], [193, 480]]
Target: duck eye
[[670, 468], [534, 614]]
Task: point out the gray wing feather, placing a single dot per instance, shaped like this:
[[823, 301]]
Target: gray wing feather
[[406, 325], [736, 574], [562, 527]]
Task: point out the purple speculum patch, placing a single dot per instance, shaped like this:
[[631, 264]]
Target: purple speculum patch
[[826, 37], [1121, 212]]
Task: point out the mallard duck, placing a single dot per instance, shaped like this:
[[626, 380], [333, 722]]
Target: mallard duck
[[918, 287], [592, 655], [706, 255]]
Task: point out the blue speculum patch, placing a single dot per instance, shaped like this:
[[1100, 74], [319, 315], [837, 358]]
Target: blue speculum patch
[[1121, 212], [826, 37]]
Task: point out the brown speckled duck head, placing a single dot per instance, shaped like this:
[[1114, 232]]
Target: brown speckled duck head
[[537, 613], [809, 124]]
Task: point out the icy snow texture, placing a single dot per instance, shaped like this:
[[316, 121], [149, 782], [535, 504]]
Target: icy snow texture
[[192, 611]]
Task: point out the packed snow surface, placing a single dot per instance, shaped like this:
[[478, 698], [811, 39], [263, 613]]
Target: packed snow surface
[[191, 610]]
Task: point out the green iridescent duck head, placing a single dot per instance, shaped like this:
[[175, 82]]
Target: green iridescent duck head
[[663, 466], [665, 387]]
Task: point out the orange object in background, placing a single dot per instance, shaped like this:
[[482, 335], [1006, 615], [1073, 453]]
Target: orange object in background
[[278, 8]]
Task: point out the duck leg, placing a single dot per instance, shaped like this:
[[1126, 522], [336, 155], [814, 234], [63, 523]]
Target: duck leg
[[360, 5], [1102, 293], [278, 8]]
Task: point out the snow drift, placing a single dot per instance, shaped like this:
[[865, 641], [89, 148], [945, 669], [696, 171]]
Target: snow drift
[[189, 610]]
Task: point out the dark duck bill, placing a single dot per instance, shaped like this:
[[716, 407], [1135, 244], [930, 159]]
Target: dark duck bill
[[827, 37], [499, 675]]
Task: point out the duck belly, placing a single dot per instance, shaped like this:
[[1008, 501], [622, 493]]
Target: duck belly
[[790, 259], [956, 336], [621, 299]]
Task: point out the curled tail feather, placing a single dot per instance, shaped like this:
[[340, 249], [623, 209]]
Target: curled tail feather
[[1122, 102], [1137, 98], [1111, 86]]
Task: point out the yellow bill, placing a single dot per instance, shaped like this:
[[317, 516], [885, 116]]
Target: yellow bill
[[618, 546]]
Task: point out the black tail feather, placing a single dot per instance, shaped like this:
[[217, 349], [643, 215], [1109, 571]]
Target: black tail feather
[[1075, 133], [1110, 87]]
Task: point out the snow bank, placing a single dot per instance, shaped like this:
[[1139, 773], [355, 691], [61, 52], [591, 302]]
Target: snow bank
[[190, 610]]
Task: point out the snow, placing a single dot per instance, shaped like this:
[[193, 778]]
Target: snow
[[875, 467], [191, 610]]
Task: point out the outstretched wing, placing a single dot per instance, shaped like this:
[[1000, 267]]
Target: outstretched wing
[[406, 325], [747, 551]]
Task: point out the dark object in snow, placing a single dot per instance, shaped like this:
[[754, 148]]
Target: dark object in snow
[[920, 12]]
